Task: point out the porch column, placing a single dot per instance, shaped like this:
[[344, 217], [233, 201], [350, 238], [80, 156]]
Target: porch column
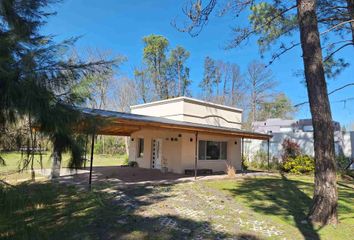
[[91, 161], [86, 142], [268, 153], [242, 154], [196, 156]]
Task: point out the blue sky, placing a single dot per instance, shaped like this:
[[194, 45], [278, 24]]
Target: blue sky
[[120, 25]]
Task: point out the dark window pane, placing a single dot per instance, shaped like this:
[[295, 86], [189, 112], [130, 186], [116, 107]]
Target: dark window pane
[[141, 147], [201, 150], [223, 155], [213, 150]]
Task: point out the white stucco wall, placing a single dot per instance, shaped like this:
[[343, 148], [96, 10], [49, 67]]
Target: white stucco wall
[[171, 110], [180, 154], [192, 110]]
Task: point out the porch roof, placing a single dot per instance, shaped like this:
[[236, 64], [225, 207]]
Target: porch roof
[[124, 124]]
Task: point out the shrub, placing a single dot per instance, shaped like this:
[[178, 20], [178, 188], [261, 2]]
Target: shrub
[[126, 160], [231, 172], [342, 162], [291, 149], [300, 164], [133, 164], [245, 163], [260, 160]]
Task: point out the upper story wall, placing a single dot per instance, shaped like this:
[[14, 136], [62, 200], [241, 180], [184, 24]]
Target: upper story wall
[[192, 110]]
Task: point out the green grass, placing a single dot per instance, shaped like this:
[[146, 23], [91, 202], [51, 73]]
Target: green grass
[[47, 210], [13, 161], [10, 172], [51, 211], [286, 200]]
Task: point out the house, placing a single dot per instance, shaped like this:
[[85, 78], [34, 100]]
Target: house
[[179, 134], [175, 150], [277, 125]]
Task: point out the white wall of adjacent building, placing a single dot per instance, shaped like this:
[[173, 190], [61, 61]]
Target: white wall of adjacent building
[[344, 143]]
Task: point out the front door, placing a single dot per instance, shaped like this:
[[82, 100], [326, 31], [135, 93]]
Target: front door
[[156, 153]]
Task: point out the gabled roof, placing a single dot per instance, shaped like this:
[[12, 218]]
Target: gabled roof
[[124, 124]]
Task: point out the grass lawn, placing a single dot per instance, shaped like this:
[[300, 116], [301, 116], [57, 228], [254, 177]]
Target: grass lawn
[[251, 208], [46, 210], [10, 172], [286, 200], [13, 161]]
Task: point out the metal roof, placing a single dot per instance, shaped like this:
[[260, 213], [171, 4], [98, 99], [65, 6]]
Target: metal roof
[[121, 123]]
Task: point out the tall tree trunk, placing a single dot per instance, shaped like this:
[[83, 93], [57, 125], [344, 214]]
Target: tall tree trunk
[[324, 208], [32, 145], [56, 164]]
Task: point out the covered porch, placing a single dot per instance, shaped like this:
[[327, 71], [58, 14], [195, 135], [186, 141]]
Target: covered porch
[[104, 122]]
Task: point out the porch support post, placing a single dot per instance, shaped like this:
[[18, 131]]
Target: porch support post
[[86, 142], [196, 156], [242, 154], [268, 152], [91, 161]]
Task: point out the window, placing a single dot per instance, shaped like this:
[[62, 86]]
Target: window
[[212, 150], [140, 147]]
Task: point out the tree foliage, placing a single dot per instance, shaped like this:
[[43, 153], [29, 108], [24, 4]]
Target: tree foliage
[[38, 79], [279, 107], [179, 73], [165, 74], [223, 83], [273, 24]]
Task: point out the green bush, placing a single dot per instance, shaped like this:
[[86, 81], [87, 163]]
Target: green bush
[[133, 164], [342, 162], [245, 163], [260, 160], [126, 160], [109, 145], [300, 164]]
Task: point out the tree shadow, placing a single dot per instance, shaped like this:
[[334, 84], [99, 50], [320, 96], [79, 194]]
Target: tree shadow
[[279, 197], [48, 210]]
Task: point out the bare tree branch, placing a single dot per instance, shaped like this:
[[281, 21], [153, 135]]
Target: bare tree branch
[[331, 92], [336, 26], [337, 50]]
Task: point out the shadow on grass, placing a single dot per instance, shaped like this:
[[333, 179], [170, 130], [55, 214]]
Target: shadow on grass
[[52, 211], [279, 197]]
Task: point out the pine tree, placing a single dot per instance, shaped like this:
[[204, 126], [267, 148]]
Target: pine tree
[[271, 21], [180, 73], [155, 59], [36, 80], [209, 78]]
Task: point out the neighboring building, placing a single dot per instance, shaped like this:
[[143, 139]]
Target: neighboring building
[[163, 134], [299, 131], [277, 125]]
